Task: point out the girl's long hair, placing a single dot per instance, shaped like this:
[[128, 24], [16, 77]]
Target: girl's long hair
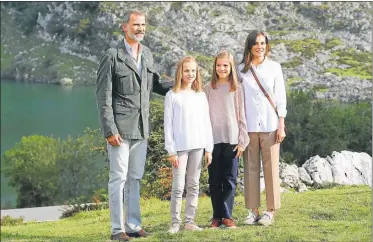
[[197, 83], [249, 43], [233, 80]]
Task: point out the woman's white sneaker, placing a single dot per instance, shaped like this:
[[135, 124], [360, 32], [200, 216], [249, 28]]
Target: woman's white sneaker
[[252, 218], [267, 219], [174, 229]]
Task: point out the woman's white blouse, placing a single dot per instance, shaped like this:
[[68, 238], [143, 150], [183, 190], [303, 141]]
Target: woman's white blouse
[[187, 122], [260, 115]]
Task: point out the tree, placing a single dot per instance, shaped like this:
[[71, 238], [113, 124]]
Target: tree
[[30, 167], [47, 171], [80, 174]]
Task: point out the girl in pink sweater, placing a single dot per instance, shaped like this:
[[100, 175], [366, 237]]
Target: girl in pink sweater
[[228, 121]]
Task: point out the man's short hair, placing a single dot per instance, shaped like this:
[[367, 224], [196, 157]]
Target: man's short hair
[[128, 14]]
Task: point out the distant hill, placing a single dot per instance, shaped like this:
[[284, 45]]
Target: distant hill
[[322, 46]]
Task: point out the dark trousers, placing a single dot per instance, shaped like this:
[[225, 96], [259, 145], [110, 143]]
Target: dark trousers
[[223, 179]]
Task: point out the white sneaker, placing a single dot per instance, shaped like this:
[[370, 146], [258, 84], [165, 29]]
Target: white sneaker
[[267, 219], [192, 227], [252, 218], [174, 229]]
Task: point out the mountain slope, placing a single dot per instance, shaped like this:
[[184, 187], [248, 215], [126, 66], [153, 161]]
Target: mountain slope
[[325, 47]]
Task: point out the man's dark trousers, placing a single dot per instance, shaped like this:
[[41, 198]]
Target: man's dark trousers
[[222, 179]]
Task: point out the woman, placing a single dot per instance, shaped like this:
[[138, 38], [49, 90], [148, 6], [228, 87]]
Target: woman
[[265, 116]]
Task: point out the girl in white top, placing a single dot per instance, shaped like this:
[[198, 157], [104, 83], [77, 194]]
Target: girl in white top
[[188, 133], [266, 128]]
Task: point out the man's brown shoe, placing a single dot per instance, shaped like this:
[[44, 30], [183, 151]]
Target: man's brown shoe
[[215, 223], [229, 223], [138, 234], [120, 237]]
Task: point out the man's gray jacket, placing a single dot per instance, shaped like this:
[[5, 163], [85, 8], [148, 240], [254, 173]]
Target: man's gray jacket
[[123, 94]]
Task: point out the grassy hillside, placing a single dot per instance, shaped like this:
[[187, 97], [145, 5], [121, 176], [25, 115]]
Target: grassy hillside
[[335, 214]]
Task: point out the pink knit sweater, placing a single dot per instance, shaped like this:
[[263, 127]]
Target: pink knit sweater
[[227, 114]]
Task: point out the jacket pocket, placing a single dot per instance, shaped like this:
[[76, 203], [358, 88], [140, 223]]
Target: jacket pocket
[[150, 76], [125, 82], [124, 109]]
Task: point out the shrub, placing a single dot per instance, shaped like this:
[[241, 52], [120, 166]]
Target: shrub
[[30, 167], [9, 221], [46, 171]]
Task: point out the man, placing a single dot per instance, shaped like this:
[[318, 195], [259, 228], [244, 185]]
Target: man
[[126, 77]]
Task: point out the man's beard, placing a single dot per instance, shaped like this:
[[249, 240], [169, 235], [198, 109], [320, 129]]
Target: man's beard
[[132, 36]]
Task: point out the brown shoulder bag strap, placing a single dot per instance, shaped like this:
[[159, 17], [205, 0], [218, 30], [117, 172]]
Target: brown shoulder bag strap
[[264, 91]]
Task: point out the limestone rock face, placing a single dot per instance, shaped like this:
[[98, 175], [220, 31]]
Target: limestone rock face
[[289, 175], [310, 41], [304, 176], [319, 169], [351, 168]]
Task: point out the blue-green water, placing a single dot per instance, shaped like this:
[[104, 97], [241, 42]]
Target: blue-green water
[[43, 109]]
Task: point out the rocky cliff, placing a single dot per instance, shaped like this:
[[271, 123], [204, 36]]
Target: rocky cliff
[[322, 46]]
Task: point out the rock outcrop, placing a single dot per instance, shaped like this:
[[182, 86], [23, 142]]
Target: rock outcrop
[[342, 168]]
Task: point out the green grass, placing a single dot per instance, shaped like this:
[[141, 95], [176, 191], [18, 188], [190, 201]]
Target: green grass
[[333, 42], [334, 214], [306, 47], [360, 63]]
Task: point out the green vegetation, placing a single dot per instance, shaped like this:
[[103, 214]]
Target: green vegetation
[[335, 214], [177, 6], [296, 61], [47, 171], [292, 81], [313, 126], [9, 221], [216, 13], [333, 42], [108, 6], [203, 60], [319, 13], [359, 63], [250, 8], [320, 88], [41, 61], [278, 32], [83, 25], [307, 47]]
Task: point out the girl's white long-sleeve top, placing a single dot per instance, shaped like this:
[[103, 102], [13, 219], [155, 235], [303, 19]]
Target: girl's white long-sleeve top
[[187, 122], [260, 115]]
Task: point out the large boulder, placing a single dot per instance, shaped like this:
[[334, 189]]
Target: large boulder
[[319, 169], [351, 168], [304, 176], [344, 168], [65, 81], [289, 175]]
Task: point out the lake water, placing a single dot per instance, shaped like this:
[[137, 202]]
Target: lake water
[[43, 109]]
